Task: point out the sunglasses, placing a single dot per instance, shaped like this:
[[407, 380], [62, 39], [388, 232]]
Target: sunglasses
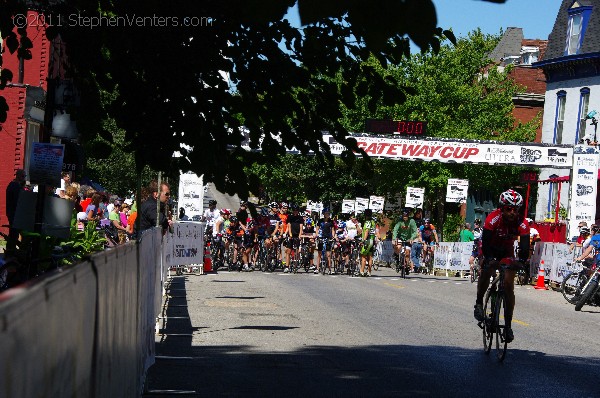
[[509, 209]]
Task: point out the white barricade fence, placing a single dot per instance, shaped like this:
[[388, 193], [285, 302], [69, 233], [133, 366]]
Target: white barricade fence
[[87, 331], [185, 246], [384, 251], [452, 256], [558, 261]]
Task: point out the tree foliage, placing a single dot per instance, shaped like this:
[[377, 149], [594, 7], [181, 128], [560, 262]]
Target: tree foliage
[[167, 76]]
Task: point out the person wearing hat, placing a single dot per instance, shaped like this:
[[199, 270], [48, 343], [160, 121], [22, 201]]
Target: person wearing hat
[[13, 190]]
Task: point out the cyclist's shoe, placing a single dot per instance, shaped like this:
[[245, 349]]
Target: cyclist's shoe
[[286, 270], [509, 336], [316, 271], [312, 268], [478, 312]]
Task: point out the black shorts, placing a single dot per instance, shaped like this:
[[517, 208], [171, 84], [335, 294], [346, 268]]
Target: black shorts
[[293, 242], [495, 264], [327, 246]]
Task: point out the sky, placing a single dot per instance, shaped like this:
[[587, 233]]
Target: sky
[[536, 17]]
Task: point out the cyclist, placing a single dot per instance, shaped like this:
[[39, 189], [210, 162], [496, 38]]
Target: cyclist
[[342, 243], [477, 230], [295, 225], [324, 231], [428, 236], [500, 230], [404, 233], [234, 234], [368, 247], [309, 235]]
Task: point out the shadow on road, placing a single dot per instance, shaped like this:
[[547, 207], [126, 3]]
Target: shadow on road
[[260, 370]]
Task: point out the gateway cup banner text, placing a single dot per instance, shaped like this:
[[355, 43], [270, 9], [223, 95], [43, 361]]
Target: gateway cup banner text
[[462, 151]]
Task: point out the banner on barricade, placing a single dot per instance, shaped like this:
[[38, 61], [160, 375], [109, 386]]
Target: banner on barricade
[[185, 246], [384, 252], [558, 260], [453, 256]]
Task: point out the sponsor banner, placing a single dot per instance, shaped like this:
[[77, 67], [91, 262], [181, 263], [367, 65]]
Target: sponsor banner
[[361, 204], [394, 204], [461, 151], [384, 252], [583, 187], [191, 194], [558, 261], [376, 203], [447, 150], [457, 190], [415, 197], [452, 256], [347, 206], [185, 244]]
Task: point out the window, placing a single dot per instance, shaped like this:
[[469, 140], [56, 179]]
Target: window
[[529, 55], [584, 101], [578, 19], [561, 98], [574, 34]]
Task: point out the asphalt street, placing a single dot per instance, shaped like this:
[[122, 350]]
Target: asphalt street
[[259, 334]]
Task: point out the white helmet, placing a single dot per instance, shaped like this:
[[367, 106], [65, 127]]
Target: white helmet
[[511, 198]]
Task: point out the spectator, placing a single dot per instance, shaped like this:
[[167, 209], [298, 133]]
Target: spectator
[[64, 183], [182, 216], [123, 213], [13, 190], [89, 192], [115, 220], [584, 235], [148, 208], [466, 235], [92, 210], [131, 218], [81, 220], [72, 193]]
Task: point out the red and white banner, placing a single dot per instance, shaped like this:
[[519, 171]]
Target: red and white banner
[[462, 151]]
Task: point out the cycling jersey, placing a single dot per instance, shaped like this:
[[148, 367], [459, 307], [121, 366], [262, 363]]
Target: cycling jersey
[[325, 228], [283, 221], [427, 233], [295, 222], [352, 229], [211, 216], [499, 237], [370, 225], [405, 231], [273, 222]]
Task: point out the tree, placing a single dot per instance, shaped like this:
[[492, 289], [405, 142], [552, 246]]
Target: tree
[[167, 75]]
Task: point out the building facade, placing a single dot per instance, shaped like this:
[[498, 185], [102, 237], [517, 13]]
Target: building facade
[[572, 70]]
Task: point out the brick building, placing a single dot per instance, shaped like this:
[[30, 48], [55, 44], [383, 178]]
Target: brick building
[[513, 49]]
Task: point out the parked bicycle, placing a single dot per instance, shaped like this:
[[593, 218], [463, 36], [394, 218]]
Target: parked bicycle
[[574, 282]]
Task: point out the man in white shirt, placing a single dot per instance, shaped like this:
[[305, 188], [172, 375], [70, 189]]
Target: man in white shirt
[[211, 214]]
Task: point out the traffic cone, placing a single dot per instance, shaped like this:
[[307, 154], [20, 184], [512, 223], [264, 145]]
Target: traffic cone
[[207, 265], [541, 285]]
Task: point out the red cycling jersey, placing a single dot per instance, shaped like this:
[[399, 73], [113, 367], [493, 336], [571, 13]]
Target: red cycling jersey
[[503, 236]]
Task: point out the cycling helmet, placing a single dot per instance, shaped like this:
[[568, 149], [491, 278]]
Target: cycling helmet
[[404, 213], [341, 225], [233, 219], [212, 202], [427, 221], [511, 198], [584, 230], [273, 205], [477, 221], [225, 212], [284, 205], [243, 203], [309, 222], [326, 210], [295, 207]]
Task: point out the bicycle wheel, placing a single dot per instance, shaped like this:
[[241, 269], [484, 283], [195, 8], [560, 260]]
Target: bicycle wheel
[[474, 274], [586, 295], [375, 265], [402, 266], [500, 322], [572, 286], [487, 325], [397, 262]]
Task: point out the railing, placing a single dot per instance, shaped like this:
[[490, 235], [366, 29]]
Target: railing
[[87, 331]]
